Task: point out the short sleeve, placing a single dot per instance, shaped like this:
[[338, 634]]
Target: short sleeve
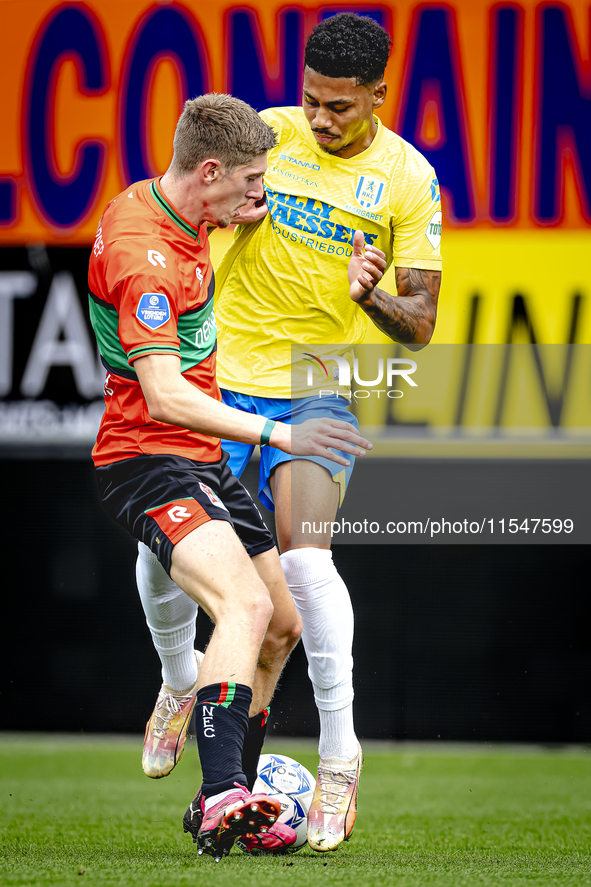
[[146, 292], [416, 219]]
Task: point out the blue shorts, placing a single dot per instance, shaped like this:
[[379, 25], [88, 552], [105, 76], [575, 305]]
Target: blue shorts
[[286, 410]]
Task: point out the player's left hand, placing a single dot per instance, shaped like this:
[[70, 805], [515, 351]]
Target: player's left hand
[[321, 437], [366, 268], [253, 211]]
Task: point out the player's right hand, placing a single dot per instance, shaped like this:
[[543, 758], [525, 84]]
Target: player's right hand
[[320, 437]]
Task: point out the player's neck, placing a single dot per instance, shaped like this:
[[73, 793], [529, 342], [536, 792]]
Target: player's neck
[[183, 197]]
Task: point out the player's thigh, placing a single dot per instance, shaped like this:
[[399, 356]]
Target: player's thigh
[[306, 501], [211, 565]]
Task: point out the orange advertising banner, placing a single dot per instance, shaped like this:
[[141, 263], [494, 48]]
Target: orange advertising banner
[[496, 95]]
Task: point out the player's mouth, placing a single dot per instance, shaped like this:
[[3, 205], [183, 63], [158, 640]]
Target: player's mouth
[[324, 137]]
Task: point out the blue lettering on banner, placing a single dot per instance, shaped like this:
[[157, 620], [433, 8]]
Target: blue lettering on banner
[[565, 116], [164, 32], [313, 217], [434, 57], [69, 32], [246, 53], [153, 310]]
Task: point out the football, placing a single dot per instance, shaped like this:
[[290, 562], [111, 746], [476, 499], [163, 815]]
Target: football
[[293, 786]]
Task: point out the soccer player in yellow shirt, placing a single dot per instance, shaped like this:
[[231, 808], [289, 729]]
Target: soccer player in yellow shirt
[[288, 278]]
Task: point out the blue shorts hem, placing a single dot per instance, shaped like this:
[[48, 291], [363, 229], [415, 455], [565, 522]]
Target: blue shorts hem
[[286, 410]]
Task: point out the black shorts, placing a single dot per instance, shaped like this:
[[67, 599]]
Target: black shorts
[[161, 499]]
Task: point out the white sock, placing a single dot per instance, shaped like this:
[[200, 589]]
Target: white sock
[[323, 602], [337, 732], [171, 615]]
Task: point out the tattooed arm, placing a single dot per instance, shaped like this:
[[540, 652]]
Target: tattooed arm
[[409, 317]]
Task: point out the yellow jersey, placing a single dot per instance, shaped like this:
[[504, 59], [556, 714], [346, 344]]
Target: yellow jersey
[[283, 281]]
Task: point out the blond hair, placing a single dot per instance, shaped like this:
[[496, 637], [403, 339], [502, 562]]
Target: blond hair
[[222, 127]]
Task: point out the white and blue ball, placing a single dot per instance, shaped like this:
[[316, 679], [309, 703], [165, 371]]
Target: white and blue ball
[[293, 786]]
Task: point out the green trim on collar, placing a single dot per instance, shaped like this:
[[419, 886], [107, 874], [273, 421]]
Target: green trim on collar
[[172, 213]]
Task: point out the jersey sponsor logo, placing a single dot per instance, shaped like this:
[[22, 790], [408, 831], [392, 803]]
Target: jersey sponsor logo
[[153, 310], [178, 514], [311, 216], [364, 213], [206, 331], [368, 192], [213, 498], [297, 162], [98, 242], [178, 517], [155, 258], [435, 195], [433, 231], [199, 275], [294, 178]]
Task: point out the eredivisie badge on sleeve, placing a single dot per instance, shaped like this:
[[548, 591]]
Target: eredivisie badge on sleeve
[[153, 310], [368, 192]]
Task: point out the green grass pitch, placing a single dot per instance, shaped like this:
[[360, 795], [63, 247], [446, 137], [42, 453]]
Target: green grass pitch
[[80, 811]]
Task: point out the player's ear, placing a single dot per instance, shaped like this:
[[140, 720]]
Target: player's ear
[[379, 94], [211, 170]]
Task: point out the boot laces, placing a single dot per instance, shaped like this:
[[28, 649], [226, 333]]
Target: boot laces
[[167, 708], [334, 786]]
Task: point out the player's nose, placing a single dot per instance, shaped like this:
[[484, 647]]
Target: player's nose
[[322, 119], [256, 190]]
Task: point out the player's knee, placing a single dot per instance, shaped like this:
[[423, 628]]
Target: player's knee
[[258, 610], [282, 636], [304, 567]]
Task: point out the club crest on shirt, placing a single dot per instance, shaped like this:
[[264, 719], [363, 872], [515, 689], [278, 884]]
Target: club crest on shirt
[[213, 498], [153, 310], [368, 192]]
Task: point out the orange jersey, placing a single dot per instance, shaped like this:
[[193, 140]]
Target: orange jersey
[[151, 292]]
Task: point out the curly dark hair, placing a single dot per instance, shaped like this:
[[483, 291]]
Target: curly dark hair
[[348, 45]]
